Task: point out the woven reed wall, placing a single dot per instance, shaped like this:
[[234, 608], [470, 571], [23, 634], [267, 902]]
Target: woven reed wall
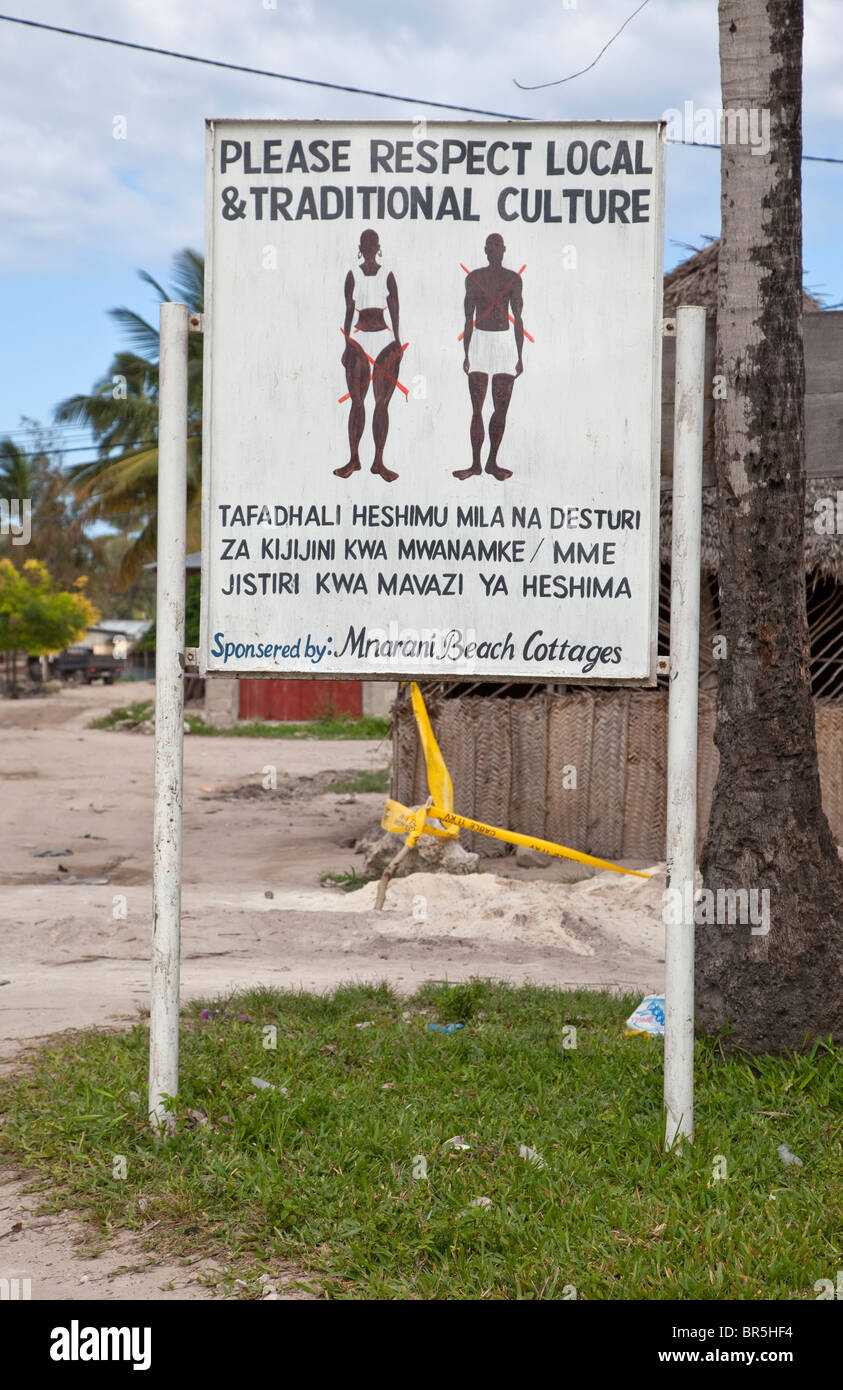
[[830, 750], [507, 759]]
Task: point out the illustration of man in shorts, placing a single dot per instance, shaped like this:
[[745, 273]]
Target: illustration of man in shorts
[[493, 342]]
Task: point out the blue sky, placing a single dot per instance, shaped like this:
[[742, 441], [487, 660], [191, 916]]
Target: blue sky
[[81, 211]]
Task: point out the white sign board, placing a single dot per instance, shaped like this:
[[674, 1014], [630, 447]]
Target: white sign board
[[432, 376]]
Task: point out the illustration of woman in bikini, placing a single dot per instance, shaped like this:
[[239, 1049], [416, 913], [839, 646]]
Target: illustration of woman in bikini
[[367, 354]]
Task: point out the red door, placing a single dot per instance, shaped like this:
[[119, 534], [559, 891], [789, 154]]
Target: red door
[[299, 700]]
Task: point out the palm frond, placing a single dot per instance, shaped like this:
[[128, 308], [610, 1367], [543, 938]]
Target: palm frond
[[16, 471], [120, 486], [189, 279], [137, 330], [142, 551], [110, 477], [159, 289]]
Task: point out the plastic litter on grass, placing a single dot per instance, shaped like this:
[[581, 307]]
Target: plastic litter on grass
[[648, 1018], [788, 1157]]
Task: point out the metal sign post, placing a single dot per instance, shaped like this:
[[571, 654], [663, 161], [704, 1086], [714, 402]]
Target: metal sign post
[[169, 713], [682, 722]]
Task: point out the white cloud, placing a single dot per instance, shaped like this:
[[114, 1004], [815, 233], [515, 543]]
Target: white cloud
[[70, 191]]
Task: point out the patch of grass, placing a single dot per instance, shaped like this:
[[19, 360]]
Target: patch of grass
[[329, 1173], [460, 1002], [348, 880], [340, 726], [139, 712], [367, 726], [376, 781]]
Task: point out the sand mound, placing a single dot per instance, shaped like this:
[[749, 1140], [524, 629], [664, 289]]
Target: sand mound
[[607, 910]]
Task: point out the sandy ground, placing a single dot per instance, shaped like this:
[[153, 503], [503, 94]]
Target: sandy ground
[[74, 954]]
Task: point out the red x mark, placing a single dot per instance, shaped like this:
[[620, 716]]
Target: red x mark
[[495, 303], [394, 380]]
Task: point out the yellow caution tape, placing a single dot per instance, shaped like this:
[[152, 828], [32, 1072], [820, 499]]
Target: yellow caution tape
[[438, 777], [418, 818], [404, 821], [401, 819], [512, 837]]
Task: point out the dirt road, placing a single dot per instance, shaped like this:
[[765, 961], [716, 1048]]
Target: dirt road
[[73, 954]]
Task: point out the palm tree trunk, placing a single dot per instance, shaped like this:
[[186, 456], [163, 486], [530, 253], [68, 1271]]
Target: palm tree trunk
[[767, 829]]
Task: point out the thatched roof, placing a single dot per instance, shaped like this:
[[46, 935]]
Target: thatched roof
[[695, 282], [823, 554]]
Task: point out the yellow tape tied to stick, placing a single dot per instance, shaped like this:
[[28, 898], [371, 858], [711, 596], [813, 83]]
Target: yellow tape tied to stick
[[438, 817]]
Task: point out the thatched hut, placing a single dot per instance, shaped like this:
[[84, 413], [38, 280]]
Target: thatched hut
[[695, 282], [511, 748]]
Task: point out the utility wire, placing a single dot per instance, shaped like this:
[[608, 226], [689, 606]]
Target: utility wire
[[260, 72], [90, 448], [337, 86], [558, 83], [60, 434], [706, 145], [53, 438]]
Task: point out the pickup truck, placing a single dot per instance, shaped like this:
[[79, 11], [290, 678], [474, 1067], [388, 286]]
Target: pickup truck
[[81, 666]]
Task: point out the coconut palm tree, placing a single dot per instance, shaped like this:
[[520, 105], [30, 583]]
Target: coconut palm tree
[[767, 830], [121, 485], [17, 474]]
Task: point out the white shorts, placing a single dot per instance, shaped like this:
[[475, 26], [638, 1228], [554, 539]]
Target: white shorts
[[492, 353]]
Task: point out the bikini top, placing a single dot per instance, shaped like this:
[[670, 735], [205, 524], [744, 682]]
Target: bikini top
[[370, 290]]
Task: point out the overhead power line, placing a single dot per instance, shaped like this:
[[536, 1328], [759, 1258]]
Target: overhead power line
[[593, 64], [260, 72], [337, 86], [59, 432], [707, 145], [91, 448]]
